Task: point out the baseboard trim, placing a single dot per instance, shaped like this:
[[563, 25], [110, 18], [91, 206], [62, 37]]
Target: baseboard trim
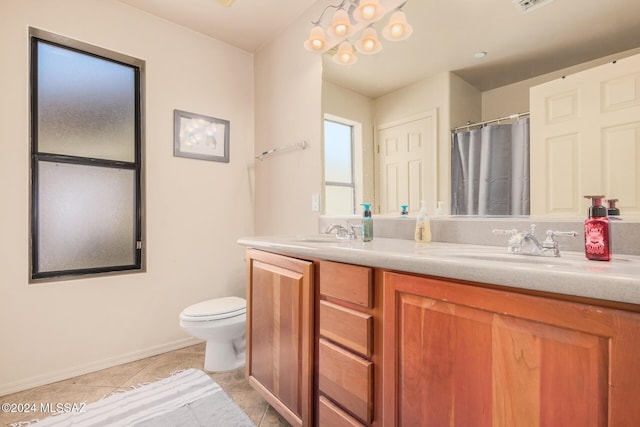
[[65, 374]]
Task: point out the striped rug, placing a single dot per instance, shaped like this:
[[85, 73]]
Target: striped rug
[[185, 399]]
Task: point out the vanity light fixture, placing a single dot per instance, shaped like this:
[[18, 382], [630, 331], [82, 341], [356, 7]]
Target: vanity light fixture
[[357, 16]]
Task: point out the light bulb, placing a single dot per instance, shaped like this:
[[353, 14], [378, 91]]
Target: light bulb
[[340, 29], [316, 40], [368, 12], [368, 43], [345, 54], [340, 25], [397, 28]]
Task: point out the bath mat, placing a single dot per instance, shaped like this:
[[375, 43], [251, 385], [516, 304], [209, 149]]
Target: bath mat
[[187, 398]]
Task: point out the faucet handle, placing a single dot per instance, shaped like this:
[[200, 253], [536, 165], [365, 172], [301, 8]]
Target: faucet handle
[[564, 233], [550, 242]]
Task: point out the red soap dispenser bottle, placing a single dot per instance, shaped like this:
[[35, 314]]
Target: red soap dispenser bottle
[[596, 231]]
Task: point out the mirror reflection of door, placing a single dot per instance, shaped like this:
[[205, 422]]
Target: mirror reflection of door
[[407, 164]]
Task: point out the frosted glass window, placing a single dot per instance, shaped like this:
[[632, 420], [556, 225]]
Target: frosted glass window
[[86, 127], [86, 105], [86, 217], [337, 152], [338, 200], [338, 168]]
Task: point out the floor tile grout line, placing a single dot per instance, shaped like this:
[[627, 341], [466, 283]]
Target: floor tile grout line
[[264, 414]]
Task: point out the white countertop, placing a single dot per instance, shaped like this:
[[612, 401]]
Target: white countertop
[[571, 273]]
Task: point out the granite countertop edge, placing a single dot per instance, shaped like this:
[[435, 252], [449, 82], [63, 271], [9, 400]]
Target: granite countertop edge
[[571, 274]]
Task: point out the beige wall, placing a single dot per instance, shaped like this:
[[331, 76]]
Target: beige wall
[[466, 102], [195, 210], [288, 90]]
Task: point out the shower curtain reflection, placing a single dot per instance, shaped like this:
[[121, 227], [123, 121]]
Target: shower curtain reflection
[[490, 170]]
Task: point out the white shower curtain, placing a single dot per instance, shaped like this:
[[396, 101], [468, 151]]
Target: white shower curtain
[[490, 170]]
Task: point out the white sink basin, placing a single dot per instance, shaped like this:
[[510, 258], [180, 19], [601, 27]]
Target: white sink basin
[[512, 258], [320, 238]]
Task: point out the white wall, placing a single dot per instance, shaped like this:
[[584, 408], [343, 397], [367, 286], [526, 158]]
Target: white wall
[[195, 210], [288, 90]]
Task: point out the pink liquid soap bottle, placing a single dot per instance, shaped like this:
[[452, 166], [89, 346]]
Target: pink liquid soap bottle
[[597, 243]]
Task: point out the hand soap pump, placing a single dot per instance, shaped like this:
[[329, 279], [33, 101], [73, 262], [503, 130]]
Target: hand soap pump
[[613, 210], [423, 225], [596, 231], [367, 223]]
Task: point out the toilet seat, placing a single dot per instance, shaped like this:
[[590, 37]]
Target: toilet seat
[[215, 309]]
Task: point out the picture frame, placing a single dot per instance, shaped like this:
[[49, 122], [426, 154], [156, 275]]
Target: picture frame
[[200, 137]]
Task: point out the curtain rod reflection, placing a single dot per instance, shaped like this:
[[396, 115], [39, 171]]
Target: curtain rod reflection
[[511, 117], [301, 144]]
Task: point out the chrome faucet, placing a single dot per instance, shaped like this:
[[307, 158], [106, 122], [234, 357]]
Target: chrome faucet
[[342, 233], [526, 243]]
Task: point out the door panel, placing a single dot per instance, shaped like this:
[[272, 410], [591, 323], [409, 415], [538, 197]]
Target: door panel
[[407, 163]]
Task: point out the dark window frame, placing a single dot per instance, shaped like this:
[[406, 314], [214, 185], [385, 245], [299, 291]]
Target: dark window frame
[[37, 37]]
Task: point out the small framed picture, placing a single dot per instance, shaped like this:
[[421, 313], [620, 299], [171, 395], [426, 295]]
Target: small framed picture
[[200, 137]]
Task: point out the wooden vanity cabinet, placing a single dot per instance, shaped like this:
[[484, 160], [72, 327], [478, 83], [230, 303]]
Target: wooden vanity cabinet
[[280, 333], [349, 350], [462, 355]]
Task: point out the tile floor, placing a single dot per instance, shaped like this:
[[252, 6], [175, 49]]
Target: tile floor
[[94, 386]]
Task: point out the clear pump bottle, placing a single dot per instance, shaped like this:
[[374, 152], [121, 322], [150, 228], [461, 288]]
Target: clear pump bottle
[[367, 223], [423, 225]]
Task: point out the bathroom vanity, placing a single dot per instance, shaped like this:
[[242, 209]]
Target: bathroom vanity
[[393, 333]]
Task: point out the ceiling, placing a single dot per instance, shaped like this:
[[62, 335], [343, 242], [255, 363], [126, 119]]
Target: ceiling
[[246, 24], [446, 34]]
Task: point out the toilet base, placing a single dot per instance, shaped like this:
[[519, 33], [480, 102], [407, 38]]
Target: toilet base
[[225, 356]]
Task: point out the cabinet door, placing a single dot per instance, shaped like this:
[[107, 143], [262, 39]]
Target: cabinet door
[[460, 355], [280, 333]]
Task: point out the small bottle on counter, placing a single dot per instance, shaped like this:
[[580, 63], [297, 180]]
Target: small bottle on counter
[[423, 225], [612, 210], [367, 223], [404, 211], [597, 243]]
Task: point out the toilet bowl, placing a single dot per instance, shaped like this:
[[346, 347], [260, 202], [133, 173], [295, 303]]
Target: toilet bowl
[[221, 322]]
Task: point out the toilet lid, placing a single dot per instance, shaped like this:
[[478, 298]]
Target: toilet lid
[[218, 308]]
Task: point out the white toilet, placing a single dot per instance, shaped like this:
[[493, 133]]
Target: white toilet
[[221, 322]]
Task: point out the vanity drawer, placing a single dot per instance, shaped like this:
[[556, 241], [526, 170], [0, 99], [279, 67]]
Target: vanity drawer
[[347, 379], [350, 283], [331, 415], [347, 327]]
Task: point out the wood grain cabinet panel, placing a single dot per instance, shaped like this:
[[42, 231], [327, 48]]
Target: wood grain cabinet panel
[[347, 327], [332, 416], [460, 355], [280, 333], [346, 378], [349, 283]]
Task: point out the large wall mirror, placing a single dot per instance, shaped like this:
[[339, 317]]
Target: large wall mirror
[[466, 61]]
